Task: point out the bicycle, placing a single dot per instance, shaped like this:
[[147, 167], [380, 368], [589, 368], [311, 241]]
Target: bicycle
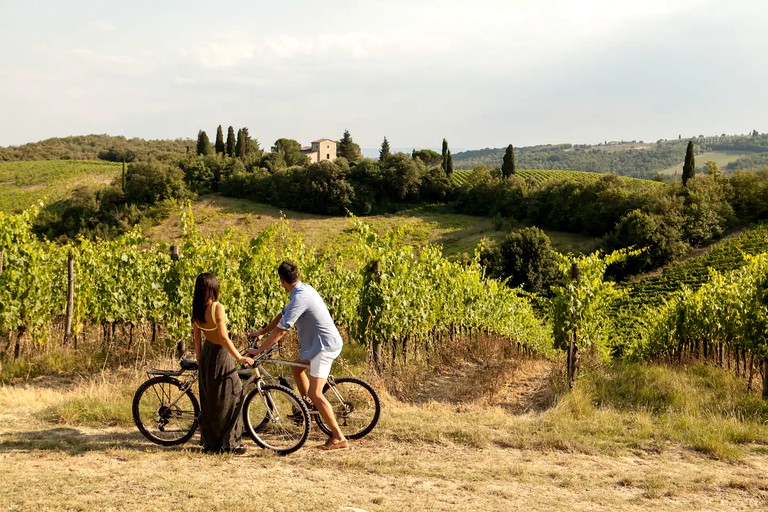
[[354, 402], [167, 411]]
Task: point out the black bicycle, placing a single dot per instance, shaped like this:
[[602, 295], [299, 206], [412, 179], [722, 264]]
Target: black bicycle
[[167, 411]]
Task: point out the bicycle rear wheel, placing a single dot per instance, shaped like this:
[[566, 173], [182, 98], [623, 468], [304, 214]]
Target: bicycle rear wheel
[[276, 418], [355, 405], [165, 412]]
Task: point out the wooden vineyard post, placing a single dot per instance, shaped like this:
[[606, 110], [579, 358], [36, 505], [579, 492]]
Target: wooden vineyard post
[[572, 360], [765, 379], [70, 296]]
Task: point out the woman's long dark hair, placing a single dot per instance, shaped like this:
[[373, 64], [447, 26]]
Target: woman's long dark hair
[[206, 288]]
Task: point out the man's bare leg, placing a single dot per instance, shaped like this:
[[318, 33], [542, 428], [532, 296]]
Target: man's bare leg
[[301, 380], [316, 386]]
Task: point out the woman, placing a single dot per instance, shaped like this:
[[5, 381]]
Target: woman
[[221, 392]]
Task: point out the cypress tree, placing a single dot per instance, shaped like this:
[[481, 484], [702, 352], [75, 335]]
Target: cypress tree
[[689, 167], [219, 141], [203, 143], [384, 153], [508, 165], [231, 141], [348, 149], [242, 146], [444, 163], [449, 165]]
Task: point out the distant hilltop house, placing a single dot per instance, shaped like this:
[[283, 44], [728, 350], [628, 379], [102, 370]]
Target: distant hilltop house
[[321, 149]]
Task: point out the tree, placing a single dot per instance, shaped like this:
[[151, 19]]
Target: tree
[[153, 181], [689, 167], [659, 241], [402, 176], [348, 149], [444, 155], [203, 143], [447, 159], [384, 152], [430, 158], [527, 258], [231, 144], [508, 164], [220, 148], [290, 151], [242, 146]]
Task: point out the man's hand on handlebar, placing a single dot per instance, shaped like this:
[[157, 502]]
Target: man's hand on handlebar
[[246, 361]]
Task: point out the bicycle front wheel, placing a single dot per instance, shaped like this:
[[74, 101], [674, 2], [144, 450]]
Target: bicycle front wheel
[[355, 405], [165, 412], [276, 418]]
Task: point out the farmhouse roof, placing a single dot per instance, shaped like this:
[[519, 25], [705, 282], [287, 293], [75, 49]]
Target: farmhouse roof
[[321, 140]]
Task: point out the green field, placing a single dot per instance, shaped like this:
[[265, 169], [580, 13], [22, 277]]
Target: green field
[[463, 176], [431, 224], [721, 158], [23, 184], [724, 256]]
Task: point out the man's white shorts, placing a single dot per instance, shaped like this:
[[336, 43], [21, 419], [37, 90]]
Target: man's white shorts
[[320, 365]]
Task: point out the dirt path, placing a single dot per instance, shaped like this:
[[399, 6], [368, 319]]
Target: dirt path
[[49, 466], [121, 472]]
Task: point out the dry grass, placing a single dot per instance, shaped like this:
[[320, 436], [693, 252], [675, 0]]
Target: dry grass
[[445, 444]]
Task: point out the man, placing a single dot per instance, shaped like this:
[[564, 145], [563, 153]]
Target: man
[[320, 344]]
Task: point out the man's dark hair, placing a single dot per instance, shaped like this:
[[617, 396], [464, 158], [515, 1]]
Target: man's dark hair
[[289, 272]]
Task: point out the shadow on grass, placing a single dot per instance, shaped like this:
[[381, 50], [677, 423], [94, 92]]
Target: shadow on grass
[[73, 441]]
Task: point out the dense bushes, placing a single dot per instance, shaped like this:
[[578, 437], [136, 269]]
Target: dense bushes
[[527, 258], [91, 147], [328, 187], [150, 190]]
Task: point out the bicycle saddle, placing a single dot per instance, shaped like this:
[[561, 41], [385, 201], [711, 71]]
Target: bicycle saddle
[[189, 364]]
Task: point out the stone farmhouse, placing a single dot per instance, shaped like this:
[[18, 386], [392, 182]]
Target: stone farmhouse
[[321, 149]]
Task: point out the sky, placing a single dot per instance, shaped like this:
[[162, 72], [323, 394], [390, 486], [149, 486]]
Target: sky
[[477, 73]]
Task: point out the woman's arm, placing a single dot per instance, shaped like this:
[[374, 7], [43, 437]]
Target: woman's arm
[[221, 323], [198, 342]]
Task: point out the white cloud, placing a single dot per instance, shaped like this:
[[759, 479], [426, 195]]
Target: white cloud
[[104, 26]]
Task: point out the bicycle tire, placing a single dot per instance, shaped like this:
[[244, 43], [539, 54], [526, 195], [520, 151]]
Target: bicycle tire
[[164, 412], [356, 405], [281, 418]]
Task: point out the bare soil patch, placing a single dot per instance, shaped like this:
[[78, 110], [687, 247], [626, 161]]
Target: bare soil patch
[[517, 385]]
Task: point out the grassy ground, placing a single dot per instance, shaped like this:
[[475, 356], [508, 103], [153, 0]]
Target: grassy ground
[[471, 437], [721, 158], [458, 234], [23, 184]]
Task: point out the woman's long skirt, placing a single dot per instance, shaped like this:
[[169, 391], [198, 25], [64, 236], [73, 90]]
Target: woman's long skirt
[[221, 394]]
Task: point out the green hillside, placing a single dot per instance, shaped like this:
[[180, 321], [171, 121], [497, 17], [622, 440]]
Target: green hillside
[[634, 158], [25, 183], [464, 176], [429, 224], [726, 255]]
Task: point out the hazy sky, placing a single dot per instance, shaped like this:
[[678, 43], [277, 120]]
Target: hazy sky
[[479, 73]]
